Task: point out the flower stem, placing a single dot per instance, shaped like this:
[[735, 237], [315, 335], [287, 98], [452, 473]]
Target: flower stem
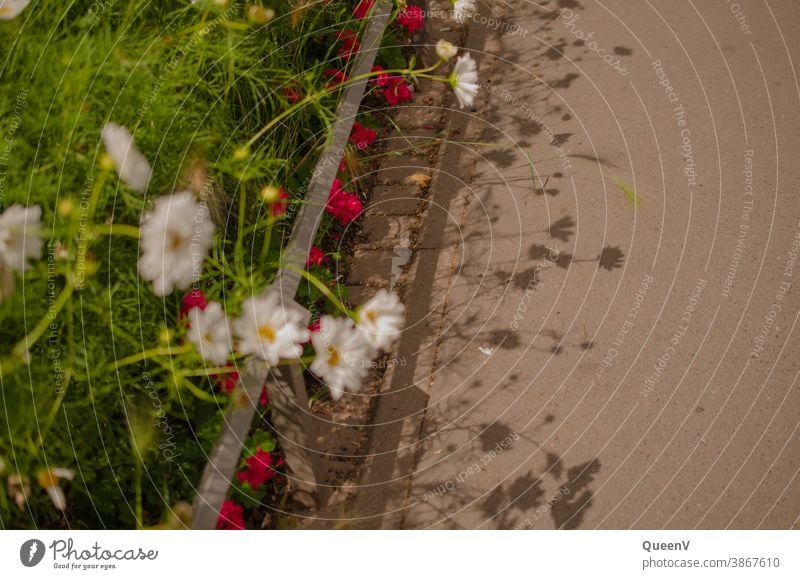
[[114, 229], [152, 353], [326, 291]]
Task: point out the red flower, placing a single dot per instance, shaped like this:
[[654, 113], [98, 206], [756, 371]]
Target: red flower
[[350, 43], [193, 299], [343, 206], [396, 91], [279, 207], [362, 137], [316, 257], [336, 77], [292, 91], [314, 327], [381, 79], [412, 18], [231, 517], [264, 396], [227, 382], [259, 469], [362, 8]]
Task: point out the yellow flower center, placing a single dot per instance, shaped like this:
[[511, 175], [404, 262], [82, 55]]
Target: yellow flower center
[[266, 333], [47, 479], [371, 315], [333, 356], [175, 241]]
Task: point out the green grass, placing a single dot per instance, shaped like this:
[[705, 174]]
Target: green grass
[[191, 100]]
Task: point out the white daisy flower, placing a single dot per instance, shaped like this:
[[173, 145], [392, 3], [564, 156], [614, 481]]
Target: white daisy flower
[[381, 319], [131, 164], [269, 330], [174, 240], [463, 10], [208, 331], [446, 50], [20, 240], [464, 80], [50, 479], [342, 355], [10, 9]]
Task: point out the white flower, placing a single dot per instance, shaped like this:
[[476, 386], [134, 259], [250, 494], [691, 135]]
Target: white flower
[[208, 331], [20, 239], [174, 239], [464, 80], [269, 330], [49, 480], [381, 319], [10, 9], [463, 10], [342, 355], [131, 165], [445, 50]]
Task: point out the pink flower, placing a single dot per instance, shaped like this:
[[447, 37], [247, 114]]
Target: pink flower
[[279, 207], [193, 299], [336, 77], [396, 91], [258, 471], [316, 257], [362, 8], [231, 517], [362, 137], [264, 396], [412, 18]]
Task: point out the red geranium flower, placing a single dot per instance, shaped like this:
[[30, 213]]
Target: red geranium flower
[[363, 8], [350, 43], [381, 79], [259, 469], [362, 137], [314, 327], [231, 517], [292, 91], [316, 257], [227, 382], [193, 299], [264, 396], [279, 207], [336, 77], [412, 18], [396, 90], [343, 206]]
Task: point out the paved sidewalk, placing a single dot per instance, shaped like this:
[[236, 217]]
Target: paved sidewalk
[[580, 360]]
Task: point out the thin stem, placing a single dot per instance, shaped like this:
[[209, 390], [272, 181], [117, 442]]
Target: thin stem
[[152, 353], [115, 229], [267, 238], [326, 291], [33, 336]]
